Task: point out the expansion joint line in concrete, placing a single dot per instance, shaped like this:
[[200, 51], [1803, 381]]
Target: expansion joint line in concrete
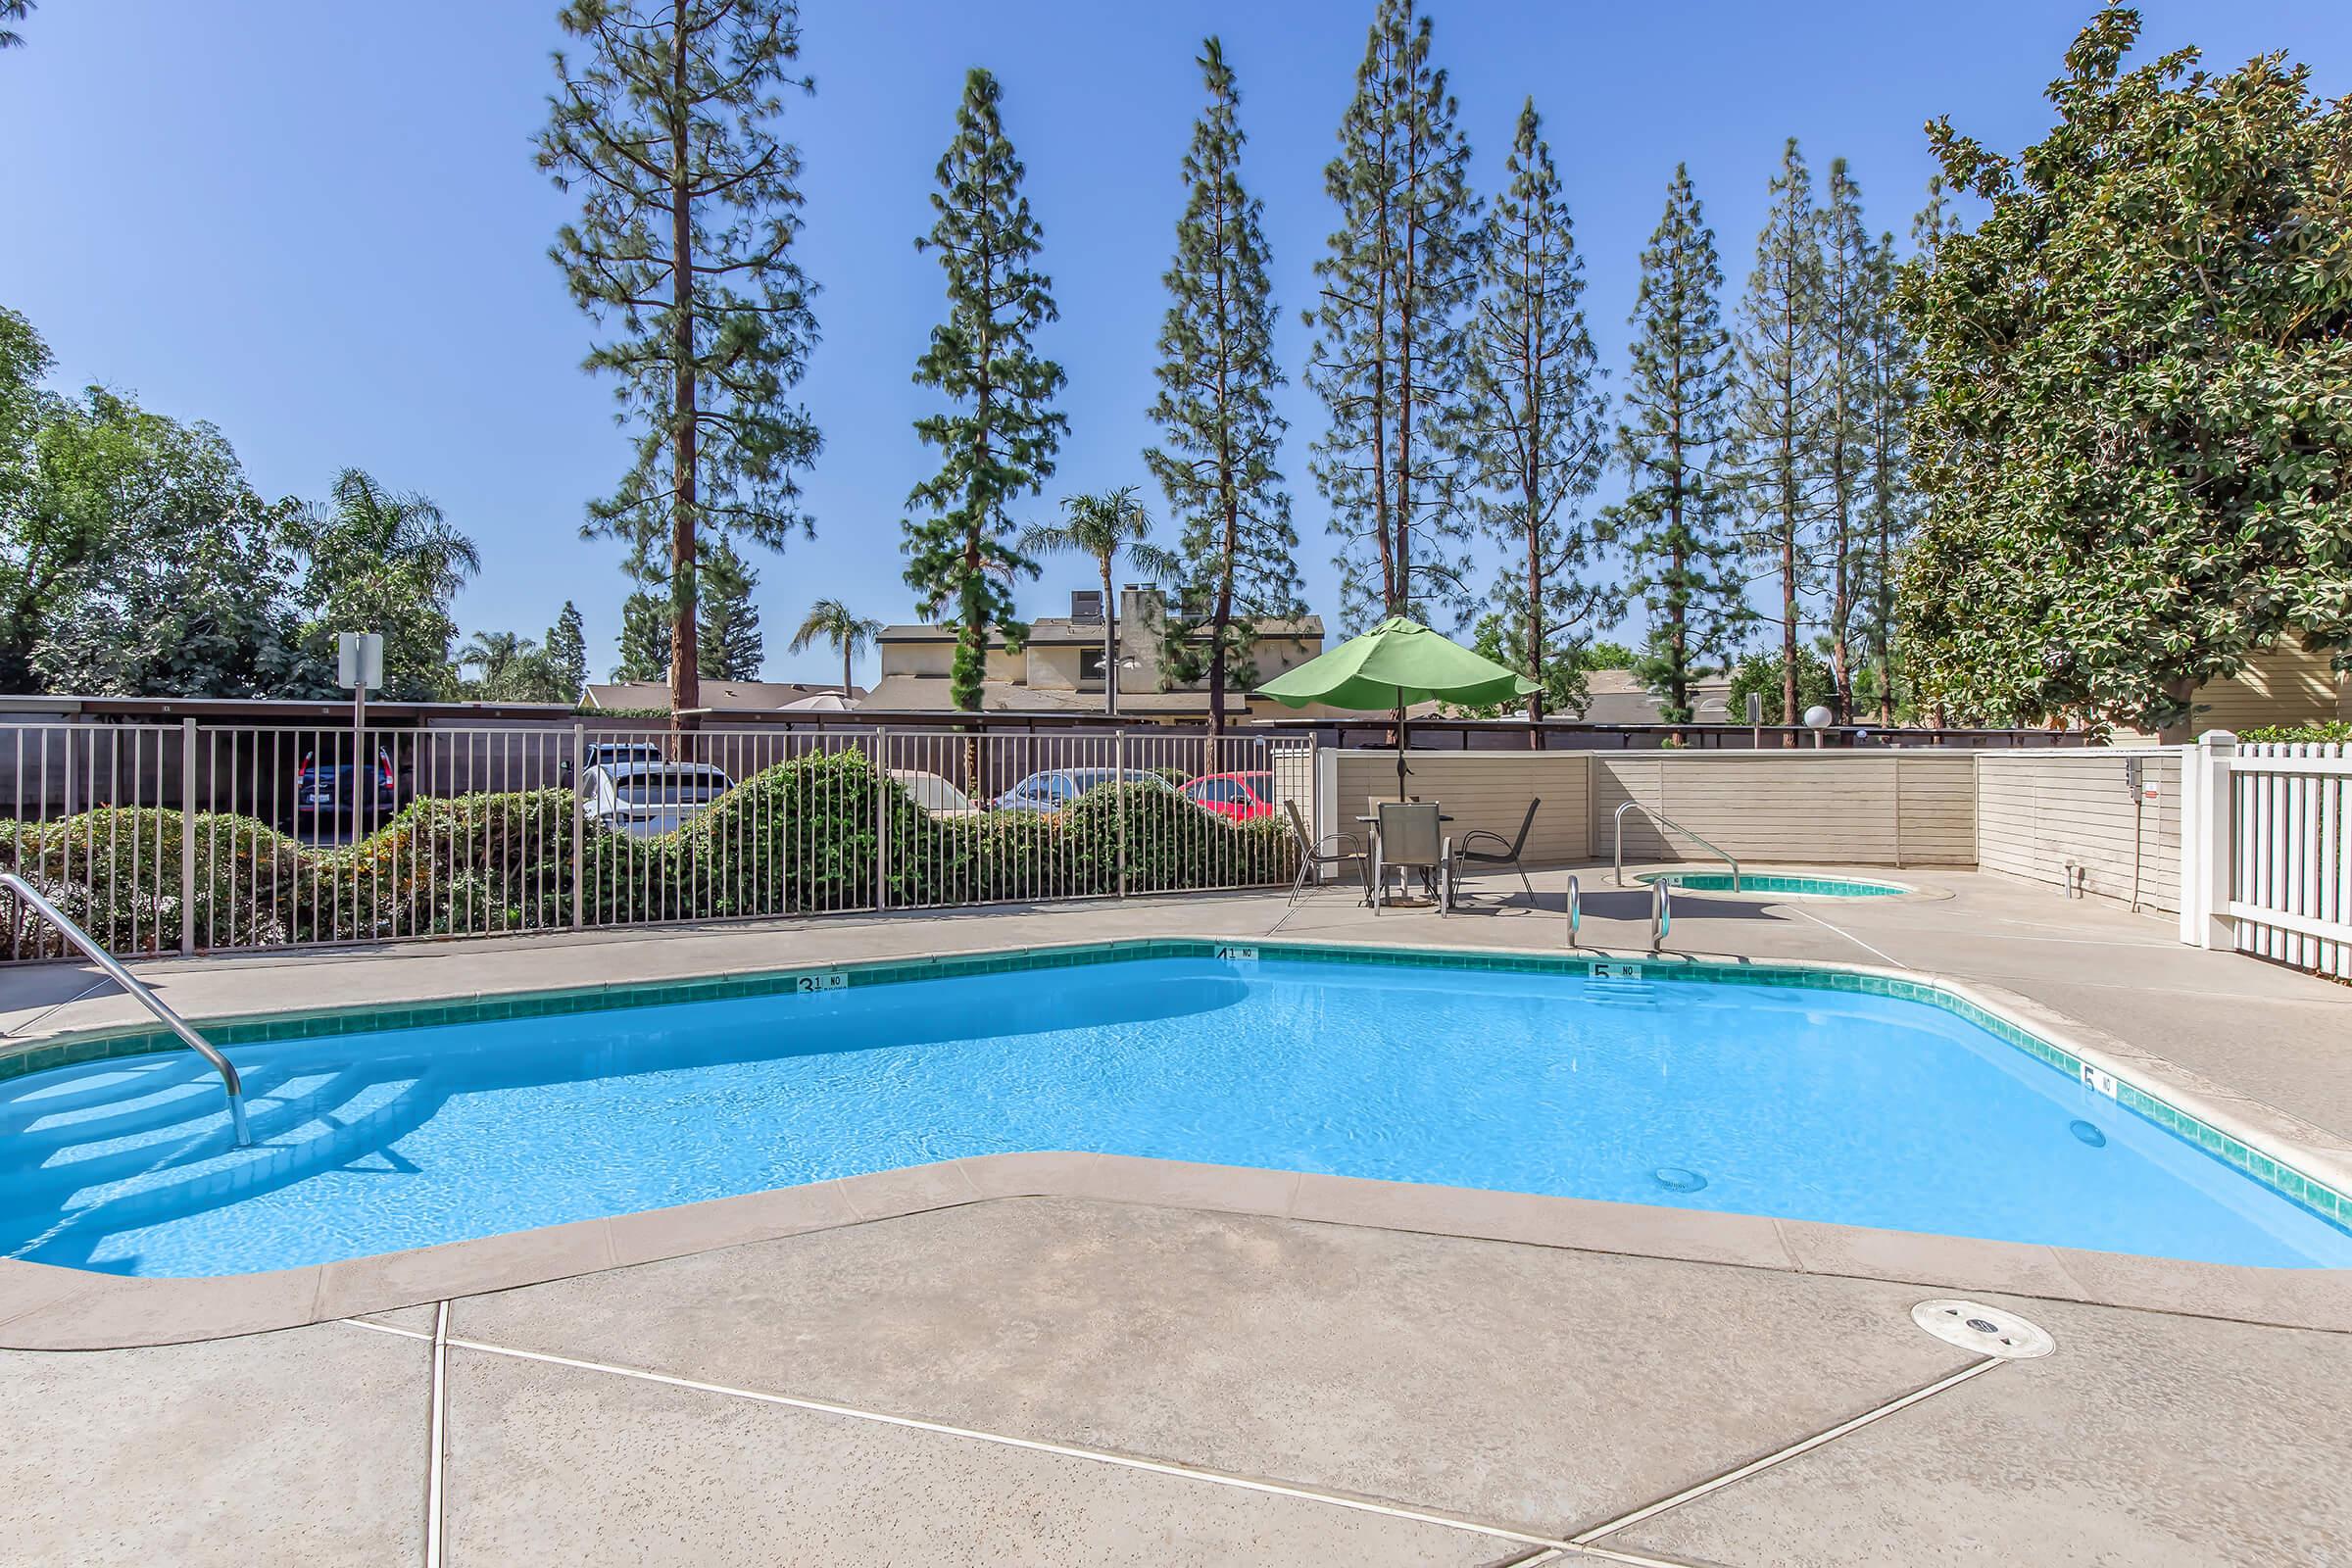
[[1585, 1539], [1879, 954], [437, 1426], [1547, 1547]]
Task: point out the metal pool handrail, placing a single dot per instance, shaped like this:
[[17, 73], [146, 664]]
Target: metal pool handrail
[[1661, 914], [90, 950], [1576, 910], [1679, 828]]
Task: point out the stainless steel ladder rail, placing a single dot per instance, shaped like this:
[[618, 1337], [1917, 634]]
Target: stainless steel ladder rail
[[1669, 821], [1576, 912], [1661, 914], [90, 950]]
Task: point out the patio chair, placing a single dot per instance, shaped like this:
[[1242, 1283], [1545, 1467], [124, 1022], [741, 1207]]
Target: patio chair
[[1313, 856], [1411, 839], [1485, 847]]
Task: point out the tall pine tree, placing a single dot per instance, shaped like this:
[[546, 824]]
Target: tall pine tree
[[644, 637], [1676, 520], [1782, 390], [1846, 303], [1219, 433], [729, 643], [1892, 508], [690, 207], [1533, 420], [998, 437], [567, 652], [1388, 350]]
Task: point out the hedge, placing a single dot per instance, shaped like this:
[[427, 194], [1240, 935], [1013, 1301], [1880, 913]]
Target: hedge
[[797, 838]]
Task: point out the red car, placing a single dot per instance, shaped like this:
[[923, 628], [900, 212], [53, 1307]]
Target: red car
[[1241, 796]]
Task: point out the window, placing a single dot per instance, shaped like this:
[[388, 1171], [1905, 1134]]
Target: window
[[1223, 792], [1089, 666]]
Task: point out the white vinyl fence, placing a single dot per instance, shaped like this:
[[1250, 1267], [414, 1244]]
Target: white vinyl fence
[[205, 838], [2291, 893], [2271, 850]]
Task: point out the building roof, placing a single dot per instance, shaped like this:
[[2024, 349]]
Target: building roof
[[718, 696], [1053, 630], [932, 694]]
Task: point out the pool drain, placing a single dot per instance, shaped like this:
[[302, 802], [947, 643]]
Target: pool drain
[[2088, 1132], [1986, 1330], [1675, 1179]]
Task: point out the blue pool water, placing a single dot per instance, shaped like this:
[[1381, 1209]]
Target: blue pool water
[[1783, 1100]]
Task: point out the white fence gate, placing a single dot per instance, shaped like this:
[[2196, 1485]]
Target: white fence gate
[[2267, 851]]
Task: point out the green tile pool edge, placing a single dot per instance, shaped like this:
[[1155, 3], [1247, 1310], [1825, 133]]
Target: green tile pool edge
[[2297, 1187]]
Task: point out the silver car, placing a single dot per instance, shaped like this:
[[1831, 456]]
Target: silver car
[[645, 800]]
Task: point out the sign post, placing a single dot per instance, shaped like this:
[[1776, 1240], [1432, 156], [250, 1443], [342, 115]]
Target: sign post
[[360, 665]]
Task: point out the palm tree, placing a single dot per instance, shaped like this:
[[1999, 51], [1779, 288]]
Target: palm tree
[[1104, 527], [397, 528], [829, 621], [387, 560], [495, 653]]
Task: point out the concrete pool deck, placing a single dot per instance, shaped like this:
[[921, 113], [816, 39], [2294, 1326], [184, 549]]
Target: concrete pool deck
[[1077, 1379]]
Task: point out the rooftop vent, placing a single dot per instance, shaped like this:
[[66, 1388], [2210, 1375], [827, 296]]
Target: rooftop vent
[[1086, 604]]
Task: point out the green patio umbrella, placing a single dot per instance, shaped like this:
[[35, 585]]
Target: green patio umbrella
[[1394, 664]]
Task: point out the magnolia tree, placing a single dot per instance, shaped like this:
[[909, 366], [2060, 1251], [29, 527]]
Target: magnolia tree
[[2138, 394]]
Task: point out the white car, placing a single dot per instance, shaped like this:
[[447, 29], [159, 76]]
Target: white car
[[647, 799], [933, 792]]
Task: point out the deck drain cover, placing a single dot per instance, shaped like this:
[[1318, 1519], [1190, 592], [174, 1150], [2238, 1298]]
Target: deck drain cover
[[1678, 1180], [1986, 1330]]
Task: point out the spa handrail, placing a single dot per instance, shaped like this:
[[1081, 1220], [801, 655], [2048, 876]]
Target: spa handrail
[[90, 950], [1669, 821]]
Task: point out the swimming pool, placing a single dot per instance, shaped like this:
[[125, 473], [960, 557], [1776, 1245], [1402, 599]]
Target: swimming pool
[[1796, 1098], [1787, 885]]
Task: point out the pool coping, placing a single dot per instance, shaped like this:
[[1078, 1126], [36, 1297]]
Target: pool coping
[[47, 1306]]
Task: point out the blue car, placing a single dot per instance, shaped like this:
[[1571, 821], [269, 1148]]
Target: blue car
[[326, 791]]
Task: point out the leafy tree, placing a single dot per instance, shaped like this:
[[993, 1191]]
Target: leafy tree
[[1103, 527], [387, 561], [690, 208], [2137, 368], [1565, 687], [1534, 416], [1782, 392], [142, 562], [1767, 676], [567, 654], [998, 437], [729, 643], [1388, 350], [14, 11], [829, 621], [1675, 519], [1220, 436], [1606, 656]]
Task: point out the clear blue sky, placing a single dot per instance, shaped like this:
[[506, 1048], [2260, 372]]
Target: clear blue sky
[[316, 223]]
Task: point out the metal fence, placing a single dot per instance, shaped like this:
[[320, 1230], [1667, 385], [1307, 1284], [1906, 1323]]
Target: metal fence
[[202, 837]]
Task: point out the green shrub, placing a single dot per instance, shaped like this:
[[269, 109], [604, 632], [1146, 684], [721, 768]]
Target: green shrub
[[2317, 732]]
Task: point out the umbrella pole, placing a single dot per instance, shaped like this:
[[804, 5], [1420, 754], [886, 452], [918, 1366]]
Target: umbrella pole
[[1401, 741]]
